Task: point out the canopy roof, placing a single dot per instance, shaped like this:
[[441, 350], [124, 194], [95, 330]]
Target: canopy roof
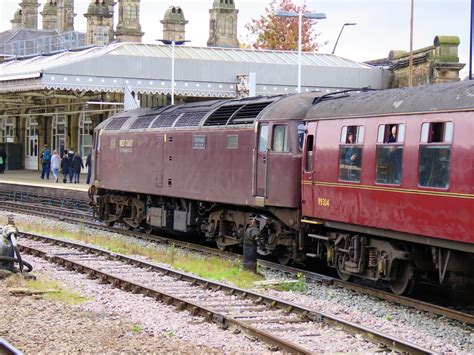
[[199, 71]]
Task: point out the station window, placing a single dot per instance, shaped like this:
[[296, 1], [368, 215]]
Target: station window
[[389, 153], [280, 139], [350, 153], [263, 138], [435, 154]]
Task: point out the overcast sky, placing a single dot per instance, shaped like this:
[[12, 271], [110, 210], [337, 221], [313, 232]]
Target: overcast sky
[[382, 25]]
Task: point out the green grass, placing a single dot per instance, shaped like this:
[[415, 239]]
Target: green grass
[[212, 268], [47, 288], [136, 329], [298, 286]]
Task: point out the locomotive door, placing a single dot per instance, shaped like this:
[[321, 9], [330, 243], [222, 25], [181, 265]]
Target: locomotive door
[[158, 163], [260, 166], [308, 170]]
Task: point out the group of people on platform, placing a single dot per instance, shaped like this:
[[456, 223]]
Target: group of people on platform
[[68, 163]]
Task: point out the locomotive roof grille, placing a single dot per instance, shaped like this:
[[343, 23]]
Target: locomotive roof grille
[[192, 118], [143, 122], [222, 115], [166, 119], [116, 123], [248, 113]]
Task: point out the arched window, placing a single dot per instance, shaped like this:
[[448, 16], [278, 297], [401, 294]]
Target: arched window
[[31, 142], [85, 136], [58, 131]]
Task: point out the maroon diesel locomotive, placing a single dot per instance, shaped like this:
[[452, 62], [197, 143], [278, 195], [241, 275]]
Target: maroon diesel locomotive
[[379, 184]]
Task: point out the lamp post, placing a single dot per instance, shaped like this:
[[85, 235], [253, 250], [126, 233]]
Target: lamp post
[[340, 33], [300, 15], [173, 45]]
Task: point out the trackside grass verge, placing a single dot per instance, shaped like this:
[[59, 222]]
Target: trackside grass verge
[[48, 289], [212, 268]]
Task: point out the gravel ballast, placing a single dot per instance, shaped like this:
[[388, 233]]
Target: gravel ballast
[[163, 322]]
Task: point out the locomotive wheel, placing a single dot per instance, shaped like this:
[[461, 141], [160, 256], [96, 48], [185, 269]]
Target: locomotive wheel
[[404, 280], [342, 275], [284, 258]]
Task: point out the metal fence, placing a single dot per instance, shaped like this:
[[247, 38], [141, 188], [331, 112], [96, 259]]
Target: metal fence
[[45, 45]]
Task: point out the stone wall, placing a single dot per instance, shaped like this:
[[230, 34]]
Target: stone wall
[[438, 63]]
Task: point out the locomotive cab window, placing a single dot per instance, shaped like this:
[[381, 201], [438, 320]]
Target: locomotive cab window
[[350, 153], [389, 153], [263, 138], [301, 131], [435, 154], [280, 139], [308, 165]]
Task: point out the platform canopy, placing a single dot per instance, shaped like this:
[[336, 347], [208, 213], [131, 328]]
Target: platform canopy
[[199, 71]]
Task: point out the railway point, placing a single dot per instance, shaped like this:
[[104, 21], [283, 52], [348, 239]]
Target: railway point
[[275, 176]]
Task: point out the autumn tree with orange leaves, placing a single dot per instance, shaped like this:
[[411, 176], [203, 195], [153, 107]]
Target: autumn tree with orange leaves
[[273, 32]]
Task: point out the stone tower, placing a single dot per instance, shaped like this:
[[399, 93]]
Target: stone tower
[[111, 4], [98, 23], [29, 14], [65, 15], [174, 24], [50, 15], [128, 26], [16, 22], [223, 24]]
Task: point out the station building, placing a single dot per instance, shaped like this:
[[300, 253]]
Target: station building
[[55, 87]]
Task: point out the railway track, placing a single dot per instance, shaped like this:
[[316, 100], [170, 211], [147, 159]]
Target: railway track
[[86, 219], [282, 325]]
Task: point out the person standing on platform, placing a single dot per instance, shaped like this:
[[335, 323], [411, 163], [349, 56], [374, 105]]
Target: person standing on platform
[[45, 162], [55, 164], [3, 160], [65, 167], [89, 168], [77, 165], [70, 155]]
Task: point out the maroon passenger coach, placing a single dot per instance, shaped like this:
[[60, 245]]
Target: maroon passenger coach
[[378, 184]]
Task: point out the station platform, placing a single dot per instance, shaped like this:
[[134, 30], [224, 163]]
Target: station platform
[[32, 178]]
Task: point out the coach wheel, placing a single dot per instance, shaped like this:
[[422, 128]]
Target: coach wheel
[[404, 280]]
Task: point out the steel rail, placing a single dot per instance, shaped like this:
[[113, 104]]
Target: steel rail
[[79, 218], [389, 342]]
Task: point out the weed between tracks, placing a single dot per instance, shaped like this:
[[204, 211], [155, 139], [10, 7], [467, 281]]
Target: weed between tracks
[[212, 268], [45, 287]]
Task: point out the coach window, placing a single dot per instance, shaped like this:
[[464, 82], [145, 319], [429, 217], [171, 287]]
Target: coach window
[[389, 153], [280, 139], [262, 138], [435, 154], [350, 153]]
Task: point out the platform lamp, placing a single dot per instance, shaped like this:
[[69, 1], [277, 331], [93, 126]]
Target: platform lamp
[[173, 44], [340, 33], [300, 14]]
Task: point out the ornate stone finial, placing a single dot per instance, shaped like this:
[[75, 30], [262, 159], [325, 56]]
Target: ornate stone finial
[[29, 12], [128, 27], [65, 14], [50, 15], [223, 24], [98, 24], [174, 24], [16, 22]]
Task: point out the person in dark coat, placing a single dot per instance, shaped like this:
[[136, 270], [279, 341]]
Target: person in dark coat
[[70, 155], [77, 165], [65, 167], [45, 162], [3, 160], [89, 168]]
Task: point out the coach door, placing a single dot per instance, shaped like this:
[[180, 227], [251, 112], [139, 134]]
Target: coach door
[[308, 170], [261, 166]]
